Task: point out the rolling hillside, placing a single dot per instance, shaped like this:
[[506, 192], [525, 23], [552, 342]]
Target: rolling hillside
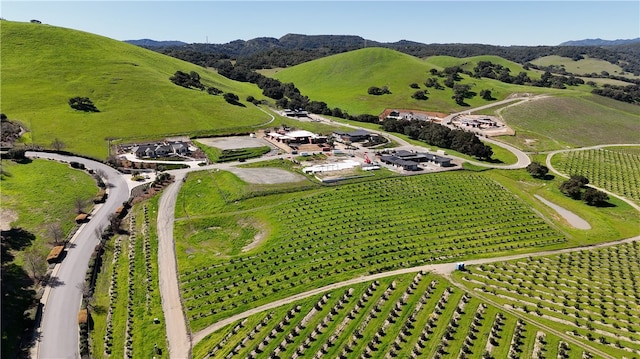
[[342, 80], [44, 66]]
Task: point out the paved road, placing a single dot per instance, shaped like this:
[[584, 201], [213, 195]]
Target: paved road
[[59, 325], [523, 159]]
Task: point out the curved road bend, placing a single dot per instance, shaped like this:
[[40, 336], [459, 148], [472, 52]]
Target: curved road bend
[[555, 171], [523, 159], [58, 330]]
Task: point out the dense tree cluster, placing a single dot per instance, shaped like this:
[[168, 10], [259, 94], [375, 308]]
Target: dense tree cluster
[[82, 104], [537, 170], [573, 187], [441, 136], [187, 80], [232, 98], [420, 95], [377, 91]]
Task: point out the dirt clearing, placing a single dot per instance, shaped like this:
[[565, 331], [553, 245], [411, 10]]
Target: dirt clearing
[[7, 216], [233, 143], [266, 175]]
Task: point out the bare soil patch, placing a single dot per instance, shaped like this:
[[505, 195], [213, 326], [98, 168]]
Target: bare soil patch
[[6, 217], [258, 238]]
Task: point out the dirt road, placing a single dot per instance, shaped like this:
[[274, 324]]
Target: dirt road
[[444, 269], [177, 334]]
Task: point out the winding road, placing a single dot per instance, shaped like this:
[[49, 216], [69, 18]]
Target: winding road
[[57, 334], [58, 327], [555, 171], [180, 342]]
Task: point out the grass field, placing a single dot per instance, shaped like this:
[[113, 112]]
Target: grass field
[[129, 85], [37, 205], [585, 66], [566, 122]]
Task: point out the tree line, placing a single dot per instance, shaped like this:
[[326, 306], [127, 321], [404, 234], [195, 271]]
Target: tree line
[[440, 136]]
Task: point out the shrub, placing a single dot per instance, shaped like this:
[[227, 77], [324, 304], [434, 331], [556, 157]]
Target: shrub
[[82, 104]]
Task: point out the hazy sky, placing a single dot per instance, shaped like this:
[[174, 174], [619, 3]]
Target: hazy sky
[[487, 22]]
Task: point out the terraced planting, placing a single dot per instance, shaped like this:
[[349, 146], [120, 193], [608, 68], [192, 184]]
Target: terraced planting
[[615, 169], [416, 315], [592, 295], [322, 236]]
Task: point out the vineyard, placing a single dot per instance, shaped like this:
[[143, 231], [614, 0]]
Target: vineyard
[[133, 323], [323, 236], [409, 316], [593, 295], [614, 169]]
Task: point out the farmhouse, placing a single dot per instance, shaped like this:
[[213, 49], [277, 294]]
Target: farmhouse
[[411, 115], [161, 149]]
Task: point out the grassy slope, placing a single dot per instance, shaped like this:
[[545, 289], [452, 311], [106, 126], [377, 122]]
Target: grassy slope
[[588, 120], [44, 66], [43, 192], [584, 66], [342, 80]]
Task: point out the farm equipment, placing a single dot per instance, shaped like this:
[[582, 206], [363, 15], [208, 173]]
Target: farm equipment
[[367, 160]]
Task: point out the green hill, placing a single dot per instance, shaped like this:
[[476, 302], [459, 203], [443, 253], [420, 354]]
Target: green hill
[[44, 66], [581, 67], [343, 80]]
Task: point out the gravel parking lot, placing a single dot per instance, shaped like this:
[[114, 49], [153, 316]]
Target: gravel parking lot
[[266, 175]]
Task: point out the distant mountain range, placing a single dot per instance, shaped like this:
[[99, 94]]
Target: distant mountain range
[[154, 43], [600, 42], [298, 41], [286, 42]]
